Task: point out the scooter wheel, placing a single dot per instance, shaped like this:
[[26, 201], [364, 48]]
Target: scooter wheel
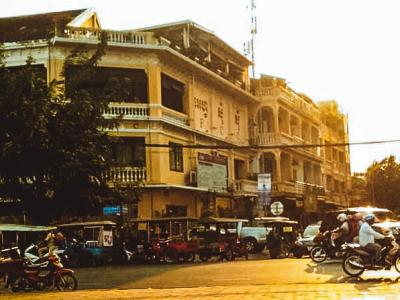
[[204, 257], [353, 265], [318, 254], [67, 282]]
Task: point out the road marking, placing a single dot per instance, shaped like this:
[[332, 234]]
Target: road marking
[[231, 279]]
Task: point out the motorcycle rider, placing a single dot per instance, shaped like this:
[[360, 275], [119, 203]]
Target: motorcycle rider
[[338, 234], [367, 237]]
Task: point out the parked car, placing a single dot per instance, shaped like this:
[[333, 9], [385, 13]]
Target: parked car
[[305, 242], [254, 237]]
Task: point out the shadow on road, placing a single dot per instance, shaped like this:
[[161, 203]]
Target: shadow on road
[[142, 275], [367, 281]]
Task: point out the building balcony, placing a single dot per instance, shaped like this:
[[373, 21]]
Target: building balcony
[[127, 111], [290, 98], [297, 188], [175, 117], [135, 38], [245, 186], [144, 111], [125, 175], [120, 37]]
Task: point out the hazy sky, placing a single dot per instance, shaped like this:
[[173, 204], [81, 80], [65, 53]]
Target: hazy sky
[[347, 50]]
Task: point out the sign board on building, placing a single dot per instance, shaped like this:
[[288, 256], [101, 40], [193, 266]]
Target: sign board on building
[[111, 210], [265, 198], [212, 172], [107, 238], [264, 182], [276, 208]]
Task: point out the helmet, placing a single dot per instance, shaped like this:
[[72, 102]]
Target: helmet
[[369, 218], [357, 217], [341, 217]]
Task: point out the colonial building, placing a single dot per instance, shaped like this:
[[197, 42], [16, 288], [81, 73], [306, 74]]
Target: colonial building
[[180, 85], [193, 129], [336, 159], [284, 117]]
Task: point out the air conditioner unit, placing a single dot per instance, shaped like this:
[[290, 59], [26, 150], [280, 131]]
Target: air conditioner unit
[[192, 177]]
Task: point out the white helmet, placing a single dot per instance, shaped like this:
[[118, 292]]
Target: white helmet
[[341, 217]]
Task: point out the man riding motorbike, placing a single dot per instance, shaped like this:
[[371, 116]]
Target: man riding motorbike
[[367, 237]]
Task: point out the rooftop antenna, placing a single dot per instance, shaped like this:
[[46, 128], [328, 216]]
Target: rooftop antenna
[[249, 48]]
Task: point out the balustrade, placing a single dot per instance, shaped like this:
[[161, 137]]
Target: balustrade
[[132, 37], [126, 174], [127, 110]]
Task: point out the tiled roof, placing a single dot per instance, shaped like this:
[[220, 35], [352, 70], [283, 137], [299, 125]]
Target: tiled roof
[[34, 27]]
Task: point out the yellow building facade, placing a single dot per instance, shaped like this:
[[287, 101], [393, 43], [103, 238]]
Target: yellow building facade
[[191, 120]]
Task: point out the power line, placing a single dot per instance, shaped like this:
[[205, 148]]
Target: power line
[[281, 146]]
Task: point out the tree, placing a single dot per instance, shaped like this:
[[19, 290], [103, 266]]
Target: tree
[[54, 148], [383, 179]]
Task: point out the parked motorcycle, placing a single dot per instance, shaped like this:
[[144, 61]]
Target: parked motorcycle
[[32, 255], [39, 277], [240, 249], [359, 259]]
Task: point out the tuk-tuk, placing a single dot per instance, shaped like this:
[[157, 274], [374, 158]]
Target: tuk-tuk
[[161, 239], [21, 235], [281, 235], [219, 237], [91, 243]]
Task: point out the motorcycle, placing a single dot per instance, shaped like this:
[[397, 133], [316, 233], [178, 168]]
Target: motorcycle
[[240, 249], [32, 255], [359, 259], [50, 274], [324, 249], [10, 261]]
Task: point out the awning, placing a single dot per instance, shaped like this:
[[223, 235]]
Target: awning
[[90, 223], [25, 228]]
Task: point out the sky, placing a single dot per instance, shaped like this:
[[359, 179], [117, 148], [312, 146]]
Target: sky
[[346, 50]]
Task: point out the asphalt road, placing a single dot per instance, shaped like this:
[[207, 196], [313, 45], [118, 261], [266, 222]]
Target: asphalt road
[[257, 278]]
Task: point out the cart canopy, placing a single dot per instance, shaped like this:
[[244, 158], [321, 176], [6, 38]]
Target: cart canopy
[[24, 228]]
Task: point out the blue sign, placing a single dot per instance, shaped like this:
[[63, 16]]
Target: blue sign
[[111, 210]]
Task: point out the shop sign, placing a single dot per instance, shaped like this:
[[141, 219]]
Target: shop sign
[[107, 238], [212, 172]]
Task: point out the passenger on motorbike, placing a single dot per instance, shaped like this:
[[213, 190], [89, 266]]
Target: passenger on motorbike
[[338, 234], [367, 237]]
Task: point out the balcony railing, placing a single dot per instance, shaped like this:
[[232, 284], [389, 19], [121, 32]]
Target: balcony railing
[[126, 37], [142, 111], [173, 116], [126, 175], [245, 186], [291, 98], [128, 111], [299, 188], [266, 138]]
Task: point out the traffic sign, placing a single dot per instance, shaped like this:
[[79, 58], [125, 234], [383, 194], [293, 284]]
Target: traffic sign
[[276, 208], [264, 182]]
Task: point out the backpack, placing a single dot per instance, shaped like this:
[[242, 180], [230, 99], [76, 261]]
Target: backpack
[[353, 228]]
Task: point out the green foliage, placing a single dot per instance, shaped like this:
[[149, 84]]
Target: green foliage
[[383, 179], [53, 146]]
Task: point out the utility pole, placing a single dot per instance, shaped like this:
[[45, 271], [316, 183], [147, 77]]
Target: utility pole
[[249, 46], [253, 34]]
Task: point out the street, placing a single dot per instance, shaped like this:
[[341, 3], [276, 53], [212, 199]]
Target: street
[[254, 279]]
